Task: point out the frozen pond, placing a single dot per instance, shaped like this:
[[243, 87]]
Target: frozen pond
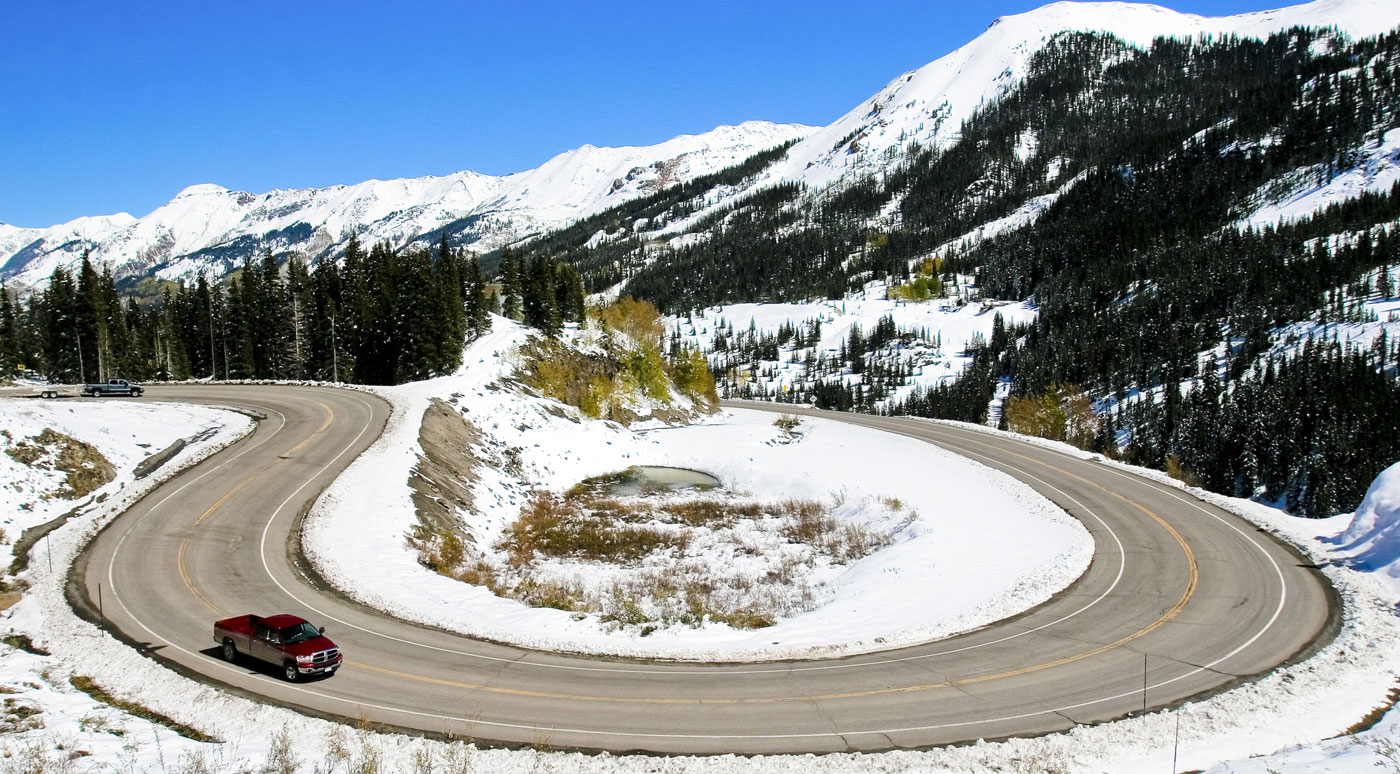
[[648, 479]]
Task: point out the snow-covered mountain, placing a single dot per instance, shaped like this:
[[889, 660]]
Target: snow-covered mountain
[[929, 105], [209, 228]]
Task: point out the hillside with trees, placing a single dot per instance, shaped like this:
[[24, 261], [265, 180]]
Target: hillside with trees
[[1155, 293]]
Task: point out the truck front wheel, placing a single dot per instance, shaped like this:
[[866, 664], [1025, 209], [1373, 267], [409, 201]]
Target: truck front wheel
[[230, 652], [290, 670]]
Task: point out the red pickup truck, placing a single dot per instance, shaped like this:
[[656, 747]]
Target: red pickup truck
[[285, 640]]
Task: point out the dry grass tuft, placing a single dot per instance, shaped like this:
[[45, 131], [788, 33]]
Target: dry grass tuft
[[91, 688], [666, 557], [561, 528], [1370, 719]]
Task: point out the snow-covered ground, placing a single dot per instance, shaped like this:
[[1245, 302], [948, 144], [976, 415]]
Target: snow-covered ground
[[43, 715], [963, 513], [124, 433]]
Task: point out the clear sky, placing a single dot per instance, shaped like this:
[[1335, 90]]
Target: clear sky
[[116, 106]]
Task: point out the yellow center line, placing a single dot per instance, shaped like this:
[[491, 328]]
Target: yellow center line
[[330, 415], [184, 544], [185, 576], [1192, 580]]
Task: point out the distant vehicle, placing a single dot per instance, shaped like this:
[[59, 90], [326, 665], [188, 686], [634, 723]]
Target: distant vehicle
[[113, 387], [287, 641]]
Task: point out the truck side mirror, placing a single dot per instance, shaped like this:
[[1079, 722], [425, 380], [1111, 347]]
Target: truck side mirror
[[322, 630]]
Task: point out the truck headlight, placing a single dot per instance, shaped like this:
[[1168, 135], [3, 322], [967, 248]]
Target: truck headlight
[[303, 659]]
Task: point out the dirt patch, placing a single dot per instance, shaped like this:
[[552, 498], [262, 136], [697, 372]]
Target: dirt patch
[[441, 483], [22, 642], [9, 597], [85, 469]]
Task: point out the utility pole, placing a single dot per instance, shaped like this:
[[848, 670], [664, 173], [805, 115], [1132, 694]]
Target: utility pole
[[335, 353], [296, 335], [1177, 743], [213, 368], [82, 372], [1144, 683]]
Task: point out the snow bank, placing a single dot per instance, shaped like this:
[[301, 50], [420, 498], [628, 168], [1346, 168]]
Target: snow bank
[[1372, 540]]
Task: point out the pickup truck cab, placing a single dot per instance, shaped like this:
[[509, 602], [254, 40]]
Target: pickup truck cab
[[113, 387], [299, 648]]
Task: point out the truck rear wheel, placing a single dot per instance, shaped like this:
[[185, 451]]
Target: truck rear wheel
[[289, 669], [230, 653]]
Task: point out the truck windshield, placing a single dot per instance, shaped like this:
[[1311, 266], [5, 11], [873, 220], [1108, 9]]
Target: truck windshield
[[299, 633]]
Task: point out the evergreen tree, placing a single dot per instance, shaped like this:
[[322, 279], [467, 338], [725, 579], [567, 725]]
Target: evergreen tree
[[568, 292], [511, 302], [298, 306], [540, 308], [11, 357], [477, 307], [59, 317]]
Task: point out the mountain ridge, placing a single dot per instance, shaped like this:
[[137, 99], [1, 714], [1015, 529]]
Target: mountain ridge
[[211, 229], [207, 227]]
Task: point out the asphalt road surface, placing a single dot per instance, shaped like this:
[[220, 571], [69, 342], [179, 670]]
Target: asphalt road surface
[[1182, 599]]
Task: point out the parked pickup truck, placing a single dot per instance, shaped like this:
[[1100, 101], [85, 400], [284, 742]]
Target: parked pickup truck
[[285, 640], [112, 387]]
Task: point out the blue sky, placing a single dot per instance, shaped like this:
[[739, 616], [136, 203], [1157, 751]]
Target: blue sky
[[115, 106]]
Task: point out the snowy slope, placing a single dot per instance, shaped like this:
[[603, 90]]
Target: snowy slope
[[1377, 172], [928, 105], [208, 227]]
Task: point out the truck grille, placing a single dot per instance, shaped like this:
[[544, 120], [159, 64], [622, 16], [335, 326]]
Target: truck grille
[[325, 656]]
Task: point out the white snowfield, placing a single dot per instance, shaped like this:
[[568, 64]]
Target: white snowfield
[[1283, 722], [935, 580]]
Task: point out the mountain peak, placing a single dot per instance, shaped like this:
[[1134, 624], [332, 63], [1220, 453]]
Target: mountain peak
[[201, 190]]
